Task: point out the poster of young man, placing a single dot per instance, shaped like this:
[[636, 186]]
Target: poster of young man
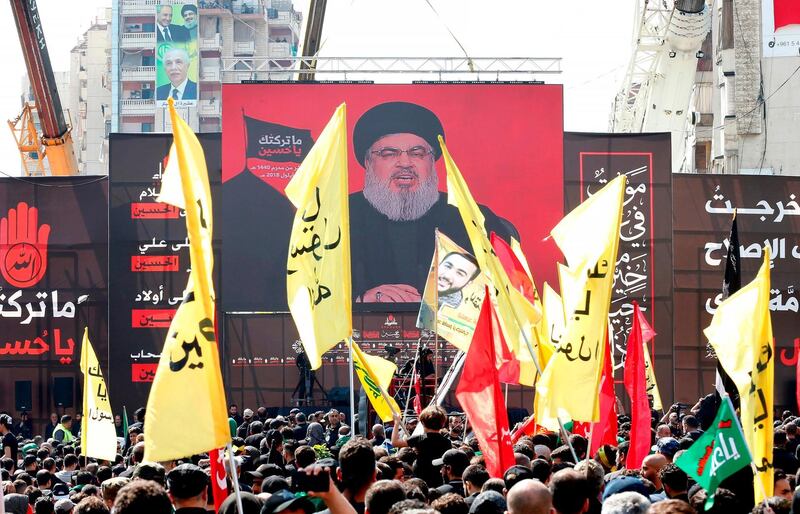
[[453, 294], [177, 66]]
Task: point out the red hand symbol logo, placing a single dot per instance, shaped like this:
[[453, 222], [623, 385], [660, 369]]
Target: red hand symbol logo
[[23, 246]]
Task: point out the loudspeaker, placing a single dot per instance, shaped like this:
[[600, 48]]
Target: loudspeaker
[[63, 391], [22, 395]]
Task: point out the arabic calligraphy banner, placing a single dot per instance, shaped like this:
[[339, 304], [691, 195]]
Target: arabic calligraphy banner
[[53, 262], [644, 258], [149, 259], [488, 129], [768, 213]]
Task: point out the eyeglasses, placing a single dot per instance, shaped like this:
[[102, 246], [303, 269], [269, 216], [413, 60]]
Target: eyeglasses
[[389, 153]]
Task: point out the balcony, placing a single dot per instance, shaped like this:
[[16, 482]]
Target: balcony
[[244, 47], [208, 108], [210, 43], [138, 40], [209, 74], [139, 73], [276, 50], [139, 7], [281, 5], [131, 107], [286, 19]]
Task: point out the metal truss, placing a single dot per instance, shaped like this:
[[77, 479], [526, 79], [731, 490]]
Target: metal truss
[[365, 68], [653, 20]]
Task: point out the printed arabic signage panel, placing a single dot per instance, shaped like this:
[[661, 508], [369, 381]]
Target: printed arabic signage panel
[[395, 200], [149, 258], [53, 278], [644, 260], [780, 28], [768, 214]]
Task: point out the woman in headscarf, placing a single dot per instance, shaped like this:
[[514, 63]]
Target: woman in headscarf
[[315, 434]]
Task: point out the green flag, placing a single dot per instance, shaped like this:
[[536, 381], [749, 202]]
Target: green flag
[[125, 425], [718, 453]]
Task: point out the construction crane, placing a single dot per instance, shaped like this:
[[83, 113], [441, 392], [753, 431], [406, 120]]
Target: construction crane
[[55, 141], [311, 42], [659, 82]]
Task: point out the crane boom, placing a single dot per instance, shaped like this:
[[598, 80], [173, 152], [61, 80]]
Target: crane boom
[[659, 82], [55, 132]]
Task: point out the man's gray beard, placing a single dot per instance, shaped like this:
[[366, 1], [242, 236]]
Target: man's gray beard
[[402, 205]]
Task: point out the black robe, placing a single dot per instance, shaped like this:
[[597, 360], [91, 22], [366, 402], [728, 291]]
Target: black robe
[[400, 252]]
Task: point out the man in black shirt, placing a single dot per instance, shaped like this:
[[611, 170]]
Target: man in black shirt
[[10, 445], [429, 445], [453, 463]]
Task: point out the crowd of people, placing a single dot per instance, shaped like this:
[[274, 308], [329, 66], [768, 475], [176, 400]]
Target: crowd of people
[[305, 463]]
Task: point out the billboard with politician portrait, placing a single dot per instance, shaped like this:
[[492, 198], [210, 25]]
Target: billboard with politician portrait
[[177, 58], [506, 139]]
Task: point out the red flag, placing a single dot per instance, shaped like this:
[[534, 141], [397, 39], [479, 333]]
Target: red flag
[[514, 269], [528, 427], [481, 397], [219, 484], [636, 385], [605, 430], [786, 12], [797, 370], [647, 331]]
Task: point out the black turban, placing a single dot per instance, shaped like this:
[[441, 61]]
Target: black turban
[[396, 118]]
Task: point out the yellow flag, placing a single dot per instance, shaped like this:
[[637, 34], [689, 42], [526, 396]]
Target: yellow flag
[[98, 433], [552, 323], [186, 410], [650, 378], [589, 237], [741, 335], [318, 267], [375, 375], [517, 315]]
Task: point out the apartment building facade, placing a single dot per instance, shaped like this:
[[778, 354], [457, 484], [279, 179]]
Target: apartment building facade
[[227, 41]]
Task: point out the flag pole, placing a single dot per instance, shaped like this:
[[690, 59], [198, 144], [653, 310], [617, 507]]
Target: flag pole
[[352, 388], [235, 479], [726, 397], [436, 308], [411, 384]]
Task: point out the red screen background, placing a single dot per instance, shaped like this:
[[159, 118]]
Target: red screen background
[[507, 140]]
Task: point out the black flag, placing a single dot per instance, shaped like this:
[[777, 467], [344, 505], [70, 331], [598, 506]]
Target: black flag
[[730, 284]]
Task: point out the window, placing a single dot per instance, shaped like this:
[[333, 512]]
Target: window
[[147, 127]]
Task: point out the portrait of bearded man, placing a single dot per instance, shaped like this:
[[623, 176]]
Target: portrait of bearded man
[[394, 218]]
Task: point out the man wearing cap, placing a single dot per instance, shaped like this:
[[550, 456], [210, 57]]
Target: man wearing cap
[[284, 502], [401, 206], [187, 486], [453, 463], [667, 446], [8, 439]]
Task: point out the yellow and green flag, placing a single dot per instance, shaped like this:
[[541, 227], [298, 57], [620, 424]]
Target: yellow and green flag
[[375, 375], [186, 410], [98, 433], [741, 335], [589, 237], [318, 267]]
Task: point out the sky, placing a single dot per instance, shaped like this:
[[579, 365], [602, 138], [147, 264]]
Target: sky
[[593, 39]]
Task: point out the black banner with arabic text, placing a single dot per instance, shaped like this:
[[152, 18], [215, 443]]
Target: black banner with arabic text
[[644, 260], [53, 279]]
